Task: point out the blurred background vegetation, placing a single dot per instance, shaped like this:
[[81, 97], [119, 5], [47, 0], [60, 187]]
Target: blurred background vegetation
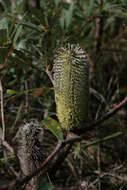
[[30, 33]]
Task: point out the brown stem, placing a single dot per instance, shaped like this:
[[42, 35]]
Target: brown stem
[[96, 123], [60, 159], [2, 111]]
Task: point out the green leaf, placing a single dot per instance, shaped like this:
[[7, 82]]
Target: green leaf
[[88, 7], [21, 6], [31, 26], [18, 114], [6, 4], [68, 15], [62, 22], [85, 8], [39, 15], [57, 2], [18, 32], [4, 23], [91, 6], [3, 30], [54, 127], [1, 132], [11, 92]]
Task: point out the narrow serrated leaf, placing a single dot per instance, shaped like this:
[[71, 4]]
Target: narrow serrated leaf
[[62, 23], [11, 92], [18, 32], [3, 23], [1, 132], [68, 15], [91, 6], [54, 127], [57, 2]]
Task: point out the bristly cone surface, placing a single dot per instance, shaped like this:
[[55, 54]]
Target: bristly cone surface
[[71, 83]]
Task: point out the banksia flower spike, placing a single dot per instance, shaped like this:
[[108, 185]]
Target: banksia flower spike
[[71, 83], [30, 149], [35, 143]]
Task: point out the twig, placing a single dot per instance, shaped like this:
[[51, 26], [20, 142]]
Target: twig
[[119, 177], [97, 95], [99, 166], [49, 73], [102, 119], [73, 171], [99, 28], [27, 97], [2, 111], [62, 155], [8, 147], [3, 142], [110, 113], [78, 139]]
